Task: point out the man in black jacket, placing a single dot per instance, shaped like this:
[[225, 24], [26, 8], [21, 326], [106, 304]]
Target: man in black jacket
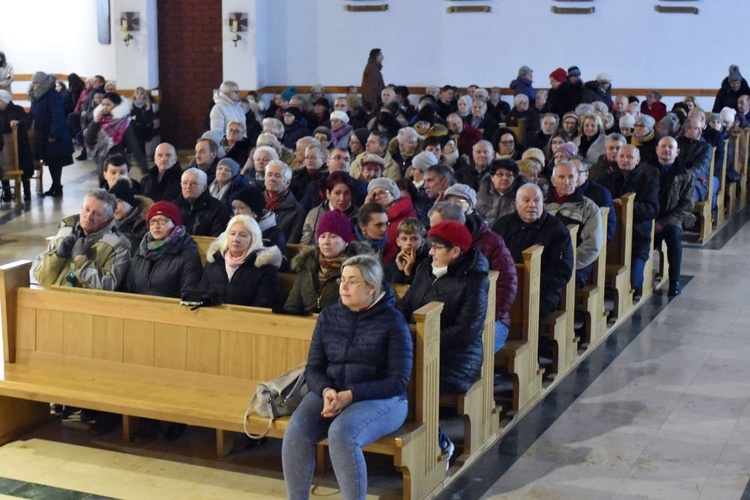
[[162, 182], [695, 155], [202, 214], [530, 225], [632, 176]]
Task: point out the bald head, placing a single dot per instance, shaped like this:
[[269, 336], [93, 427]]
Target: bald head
[[628, 157], [165, 156], [529, 202], [667, 150]]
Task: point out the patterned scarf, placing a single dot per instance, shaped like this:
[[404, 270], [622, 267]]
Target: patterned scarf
[[329, 267], [152, 249], [273, 202]]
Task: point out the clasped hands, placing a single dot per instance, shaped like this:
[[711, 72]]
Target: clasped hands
[[335, 402], [73, 247]]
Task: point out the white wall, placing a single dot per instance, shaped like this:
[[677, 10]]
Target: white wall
[[316, 42], [240, 62]]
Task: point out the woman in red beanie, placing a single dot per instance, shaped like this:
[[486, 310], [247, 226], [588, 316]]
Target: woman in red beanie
[[457, 277]]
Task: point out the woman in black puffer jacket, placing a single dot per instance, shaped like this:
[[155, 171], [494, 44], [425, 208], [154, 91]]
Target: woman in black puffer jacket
[[239, 269], [457, 277], [357, 371], [167, 262]]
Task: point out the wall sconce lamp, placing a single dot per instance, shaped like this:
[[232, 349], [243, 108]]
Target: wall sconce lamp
[[237, 24], [129, 21]]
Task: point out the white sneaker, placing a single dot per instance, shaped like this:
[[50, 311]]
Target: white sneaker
[[447, 447]]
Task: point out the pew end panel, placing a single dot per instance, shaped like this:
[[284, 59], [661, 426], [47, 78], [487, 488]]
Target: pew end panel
[[590, 299], [561, 323], [619, 257], [520, 354]]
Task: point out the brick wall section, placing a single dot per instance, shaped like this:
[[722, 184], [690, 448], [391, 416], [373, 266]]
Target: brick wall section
[[190, 66]]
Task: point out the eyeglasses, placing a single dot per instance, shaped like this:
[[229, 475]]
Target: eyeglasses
[[159, 222], [440, 247], [379, 193], [503, 175], [509, 141], [349, 283]]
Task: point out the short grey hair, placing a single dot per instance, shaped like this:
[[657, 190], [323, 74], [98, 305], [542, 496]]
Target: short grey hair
[[530, 185], [519, 98], [285, 170], [200, 174], [407, 134], [468, 99], [484, 142], [448, 211], [104, 196], [370, 268], [265, 149], [276, 126], [481, 94], [228, 86], [615, 137], [550, 115], [266, 139]]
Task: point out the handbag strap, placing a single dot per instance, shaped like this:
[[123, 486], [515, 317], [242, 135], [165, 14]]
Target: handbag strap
[[247, 414]]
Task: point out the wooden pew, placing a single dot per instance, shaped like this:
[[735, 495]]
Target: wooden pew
[[742, 166], [9, 163], [619, 256], [661, 276], [521, 351], [143, 356], [560, 325], [703, 209], [590, 299], [722, 192], [477, 405], [648, 271]]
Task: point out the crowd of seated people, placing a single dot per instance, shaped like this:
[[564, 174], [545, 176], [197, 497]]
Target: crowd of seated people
[[433, 196]]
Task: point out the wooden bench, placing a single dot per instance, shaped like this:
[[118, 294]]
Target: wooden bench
[[619, 256], [143, 356], [520, 354], [648, 271], [9, 162], [560, 325], [721, 194], [590, 299], [703, 209], [744, 150], [477, 405]]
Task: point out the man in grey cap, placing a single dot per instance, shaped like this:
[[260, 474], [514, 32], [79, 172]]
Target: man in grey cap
[[522, 84]]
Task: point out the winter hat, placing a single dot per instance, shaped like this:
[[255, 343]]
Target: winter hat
[[340, 115], [627, 121], [604, 77], [252, 197], [571, 114], [337, 223], [289, 93], [573, 71], [728, 114], [123, 191], [293, 110], [426, 114], [385, 184], [534, 154], [452, 232], [5, 96], [167, 209], [424, 160], [647, 121], [524, 70], [462, 191], [233, 165], [734, 74], [715, 117], [39, 77], [568, 148], [559, 75], [670, 120], [372, 158], [322, 101]]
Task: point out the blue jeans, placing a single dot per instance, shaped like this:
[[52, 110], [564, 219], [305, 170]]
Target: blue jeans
[[359, 424], [501, 335]]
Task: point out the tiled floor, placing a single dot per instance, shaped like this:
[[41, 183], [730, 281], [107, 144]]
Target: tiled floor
[[658, 411]]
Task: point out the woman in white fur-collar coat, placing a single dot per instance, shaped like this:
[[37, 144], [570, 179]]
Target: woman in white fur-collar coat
[[239, 269]]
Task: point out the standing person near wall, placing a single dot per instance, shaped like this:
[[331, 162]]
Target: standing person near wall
[[52, 137], [372, 79], [6, 73]]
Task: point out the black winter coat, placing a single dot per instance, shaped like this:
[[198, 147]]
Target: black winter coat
[[696, 157], [726, 97], [368, 352], [645, 184], [675, 195], [178, 270], [52, 139], [166, 189], [551, 233], [25, 158], [255, 282], [206, 216], [463, 292]]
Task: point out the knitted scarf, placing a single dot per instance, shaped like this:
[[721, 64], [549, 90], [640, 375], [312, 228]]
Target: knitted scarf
[[231, 263], [152, 249], [273, 202], [338, 134], [329, 267]]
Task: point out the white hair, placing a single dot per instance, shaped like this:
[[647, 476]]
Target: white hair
[[519, 98], [407, 134], [200, 174]]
